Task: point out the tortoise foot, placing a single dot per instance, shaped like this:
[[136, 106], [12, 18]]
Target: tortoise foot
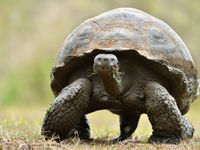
[[166, 140]]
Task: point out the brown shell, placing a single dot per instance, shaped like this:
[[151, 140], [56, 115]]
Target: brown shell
[[131, 29]]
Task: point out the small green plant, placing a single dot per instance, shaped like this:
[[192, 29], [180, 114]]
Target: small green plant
[[118, 80], [92, 74], [114, 75]]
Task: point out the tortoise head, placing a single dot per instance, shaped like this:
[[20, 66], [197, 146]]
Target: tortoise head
[[106, 66], [105, 63]]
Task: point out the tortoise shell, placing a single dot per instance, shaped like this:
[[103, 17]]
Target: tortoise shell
[[128, 29]]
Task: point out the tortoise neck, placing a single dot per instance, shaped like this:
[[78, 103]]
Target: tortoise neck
[[112, 82]]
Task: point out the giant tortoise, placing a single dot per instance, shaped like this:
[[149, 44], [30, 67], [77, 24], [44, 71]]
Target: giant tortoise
[[130, 63]]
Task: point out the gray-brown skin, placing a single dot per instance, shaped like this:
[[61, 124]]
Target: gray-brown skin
[[140, 65]]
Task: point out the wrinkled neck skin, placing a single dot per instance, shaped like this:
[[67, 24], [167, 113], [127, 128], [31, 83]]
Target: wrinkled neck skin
[[113, 82]]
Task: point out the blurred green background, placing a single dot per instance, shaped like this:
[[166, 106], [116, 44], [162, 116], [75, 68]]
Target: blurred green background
[[32, 31]]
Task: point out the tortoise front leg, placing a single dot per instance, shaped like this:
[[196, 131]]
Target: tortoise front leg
[[67, 111], [169, 126]]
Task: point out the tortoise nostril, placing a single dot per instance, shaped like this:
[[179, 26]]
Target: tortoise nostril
[[105, 59]]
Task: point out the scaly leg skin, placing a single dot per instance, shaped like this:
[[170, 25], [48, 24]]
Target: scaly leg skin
[[67, 112], [128, 124], [169, 126]]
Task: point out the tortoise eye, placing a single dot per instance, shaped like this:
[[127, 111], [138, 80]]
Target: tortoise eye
[[112, 59]]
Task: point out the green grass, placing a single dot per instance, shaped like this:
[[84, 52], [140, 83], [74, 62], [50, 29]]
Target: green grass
[[21, 127]]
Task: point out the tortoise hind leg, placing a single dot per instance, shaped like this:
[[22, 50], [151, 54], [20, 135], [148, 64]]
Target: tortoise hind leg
[[83, 129], [128, 124], [67, 111], [169, 126]]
